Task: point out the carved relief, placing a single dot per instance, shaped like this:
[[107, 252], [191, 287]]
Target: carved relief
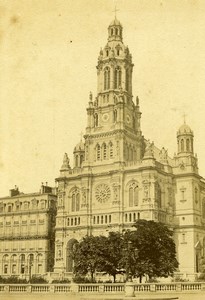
[[116, 196], [84, 197], [146, 190]]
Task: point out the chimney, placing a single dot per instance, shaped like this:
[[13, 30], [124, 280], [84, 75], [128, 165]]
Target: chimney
[[14, 192]]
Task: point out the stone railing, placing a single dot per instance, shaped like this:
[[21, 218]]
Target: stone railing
[[105, 288]]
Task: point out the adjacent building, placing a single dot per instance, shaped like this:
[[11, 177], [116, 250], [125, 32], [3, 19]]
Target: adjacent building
[[27, 223]]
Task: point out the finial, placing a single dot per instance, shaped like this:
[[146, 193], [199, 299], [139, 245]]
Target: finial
[[184, 116], [81, 136], [91, 96]]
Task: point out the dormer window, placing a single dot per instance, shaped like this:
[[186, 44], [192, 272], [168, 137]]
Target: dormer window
[[107, 52], [116, 31], [118, 52]]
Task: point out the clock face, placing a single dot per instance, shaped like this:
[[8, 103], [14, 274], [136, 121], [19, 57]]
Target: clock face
[[105, 117], [102, 193]]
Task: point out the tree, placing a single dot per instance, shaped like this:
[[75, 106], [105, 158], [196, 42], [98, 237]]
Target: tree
[[88, 255], [112, 254], [156, 252], [148, 250]]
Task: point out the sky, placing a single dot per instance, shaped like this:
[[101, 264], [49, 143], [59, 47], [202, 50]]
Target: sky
[[48, 54]]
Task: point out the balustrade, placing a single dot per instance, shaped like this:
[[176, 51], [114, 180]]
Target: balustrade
[[117, 288]]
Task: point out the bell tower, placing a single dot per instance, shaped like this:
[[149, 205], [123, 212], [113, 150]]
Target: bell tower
[[185, 160], [113, 131]]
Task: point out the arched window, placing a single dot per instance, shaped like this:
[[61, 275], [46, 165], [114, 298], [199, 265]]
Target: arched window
[[126, 218], [5, 261], [106, 78], [94, 220], [75, 204], [98, 219], [182, 145], [98, 152], [118, 75], [109, 218], [187, 145], [116, 31], [112, 31], [104, 151], [76, 161], [115, 116], [22, 263], [72, 222], [95, 120], [68, 222], [39, 260], [81, 159], [130, 217], [111, 149], [106, 219], [118, 52], [133, 194], [101, 219], [13, 263]]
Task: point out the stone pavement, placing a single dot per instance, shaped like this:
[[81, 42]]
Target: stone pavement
[[180, 296]]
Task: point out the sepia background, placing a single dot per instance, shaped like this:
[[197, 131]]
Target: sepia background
[[48, 58]]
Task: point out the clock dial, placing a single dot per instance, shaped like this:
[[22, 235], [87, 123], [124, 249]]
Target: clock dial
[[105, 117], [102, 193]]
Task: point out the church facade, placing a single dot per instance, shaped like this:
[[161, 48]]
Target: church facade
[[119, 176]]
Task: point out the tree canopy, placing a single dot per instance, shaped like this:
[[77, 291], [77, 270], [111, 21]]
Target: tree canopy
[[156, 249], [148, 249]]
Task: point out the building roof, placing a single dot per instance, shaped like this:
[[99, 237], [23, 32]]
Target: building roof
[[185, 129], [80, 146], [115, 22]]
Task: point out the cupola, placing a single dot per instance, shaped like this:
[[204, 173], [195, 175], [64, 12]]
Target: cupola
[[185, 138], [79, 154], [115, 31]]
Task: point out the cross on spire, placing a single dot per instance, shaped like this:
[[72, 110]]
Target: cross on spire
[[115, 10], [81, 135], [184, 116]]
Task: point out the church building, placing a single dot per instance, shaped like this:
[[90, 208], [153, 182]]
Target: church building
[[119, 176]]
